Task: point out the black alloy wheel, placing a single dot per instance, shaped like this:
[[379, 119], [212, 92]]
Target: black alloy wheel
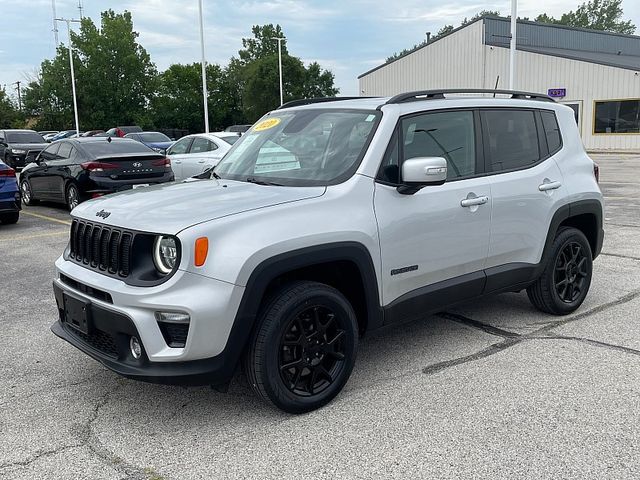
[[303, 348], [565, 280], [570, 275], [312, 351]]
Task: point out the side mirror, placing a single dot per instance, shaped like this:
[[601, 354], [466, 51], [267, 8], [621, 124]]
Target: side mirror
[[422, 171]]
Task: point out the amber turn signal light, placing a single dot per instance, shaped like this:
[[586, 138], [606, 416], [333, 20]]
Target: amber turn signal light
[[202, 248]]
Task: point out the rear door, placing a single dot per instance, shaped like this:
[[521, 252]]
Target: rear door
[[59, 170], [526, 183]]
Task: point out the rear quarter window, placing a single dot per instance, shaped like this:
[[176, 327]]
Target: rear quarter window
[[511, 138], [551, 131]]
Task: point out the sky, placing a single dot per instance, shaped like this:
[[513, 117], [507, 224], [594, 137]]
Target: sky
[[347, 37]]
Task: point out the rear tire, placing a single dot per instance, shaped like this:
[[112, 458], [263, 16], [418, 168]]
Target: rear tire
[[566, 278], [27, 193], [9, 218], [304, 347], [73, 198]]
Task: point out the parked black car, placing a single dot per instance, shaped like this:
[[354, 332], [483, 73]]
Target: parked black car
[[73, 170], [17, 145]]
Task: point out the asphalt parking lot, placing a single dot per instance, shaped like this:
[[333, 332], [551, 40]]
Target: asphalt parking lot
[[492, 389]]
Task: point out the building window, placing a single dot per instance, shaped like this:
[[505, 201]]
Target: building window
[[617, 116]]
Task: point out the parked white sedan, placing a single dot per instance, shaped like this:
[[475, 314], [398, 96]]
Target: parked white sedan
[[193, 154]]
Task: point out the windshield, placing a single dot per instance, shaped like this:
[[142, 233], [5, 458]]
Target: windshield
[[24, 137], [154, 137], [231, 139], [303, 147]]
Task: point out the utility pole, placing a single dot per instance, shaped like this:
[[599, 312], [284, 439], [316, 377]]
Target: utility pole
[[205, 94], [280, 40], [55, 24], [17, 84], [512, 49], [73, 76], [80, 9]]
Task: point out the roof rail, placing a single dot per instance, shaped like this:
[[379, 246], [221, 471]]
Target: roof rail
[[309, 101], [440, 94]]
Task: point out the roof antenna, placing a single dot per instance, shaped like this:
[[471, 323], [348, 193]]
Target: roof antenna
[[496, 87]]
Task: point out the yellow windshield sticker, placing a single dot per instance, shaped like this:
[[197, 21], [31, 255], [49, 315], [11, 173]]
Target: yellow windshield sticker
[[266, 124]]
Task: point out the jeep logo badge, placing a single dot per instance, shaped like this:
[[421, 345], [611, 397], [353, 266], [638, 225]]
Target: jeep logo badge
[[137, 164], [103, 214]]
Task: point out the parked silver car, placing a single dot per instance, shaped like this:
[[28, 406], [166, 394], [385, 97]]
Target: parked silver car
[[193, 154]]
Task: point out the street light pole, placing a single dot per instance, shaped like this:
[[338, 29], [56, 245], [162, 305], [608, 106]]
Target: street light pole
[[280, 40], [73, 76], [512, 49], [205, 95]]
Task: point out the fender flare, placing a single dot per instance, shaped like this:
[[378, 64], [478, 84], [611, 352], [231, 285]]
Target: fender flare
[[565, 212], [273, 267]]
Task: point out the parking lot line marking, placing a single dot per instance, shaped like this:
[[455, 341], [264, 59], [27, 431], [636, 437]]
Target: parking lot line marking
[[36, 235], [46, 217]]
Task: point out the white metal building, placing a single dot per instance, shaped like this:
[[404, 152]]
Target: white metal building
[[596, 73]]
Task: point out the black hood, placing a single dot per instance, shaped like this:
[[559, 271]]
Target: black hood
[[28, 146]]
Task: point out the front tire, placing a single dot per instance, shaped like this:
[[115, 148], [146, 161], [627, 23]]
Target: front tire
[[304, 347], [27, 193], [566, 278]]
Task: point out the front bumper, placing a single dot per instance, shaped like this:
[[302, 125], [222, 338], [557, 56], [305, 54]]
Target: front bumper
[[208, 357]]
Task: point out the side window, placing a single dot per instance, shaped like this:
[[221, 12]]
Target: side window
[[551, 131], [49, 153], [180, 147], [511, 137], [450, 135], [65, 151], [201, 145]]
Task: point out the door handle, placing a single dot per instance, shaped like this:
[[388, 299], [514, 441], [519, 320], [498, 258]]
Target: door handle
[[546, 185], [470, 202], [177, 161], [201, 161]]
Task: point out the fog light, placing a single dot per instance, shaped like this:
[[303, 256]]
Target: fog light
[[136, 348], [173, 317]]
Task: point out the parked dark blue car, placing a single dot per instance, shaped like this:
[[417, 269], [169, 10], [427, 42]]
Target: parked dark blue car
[[10, 204], [155, 140]]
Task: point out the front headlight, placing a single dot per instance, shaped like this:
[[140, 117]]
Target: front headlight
[[19, 151], [165, 254]]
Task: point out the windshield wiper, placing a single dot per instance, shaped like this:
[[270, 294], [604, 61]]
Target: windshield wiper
[[215, 175], [262, 182]]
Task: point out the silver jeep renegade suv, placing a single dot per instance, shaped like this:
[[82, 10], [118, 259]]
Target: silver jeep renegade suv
[[328, 219]]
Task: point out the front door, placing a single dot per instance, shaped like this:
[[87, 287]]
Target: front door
[[38, 175], [177, 153], [438, 237]]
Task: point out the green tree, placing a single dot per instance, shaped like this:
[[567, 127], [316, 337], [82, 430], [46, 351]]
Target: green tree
[[479, 15], [115, 78], [178, 101], [10, 116], [256, 75], [606, 15]]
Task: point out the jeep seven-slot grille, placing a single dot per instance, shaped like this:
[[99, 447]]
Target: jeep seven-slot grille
[[103, 248]]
